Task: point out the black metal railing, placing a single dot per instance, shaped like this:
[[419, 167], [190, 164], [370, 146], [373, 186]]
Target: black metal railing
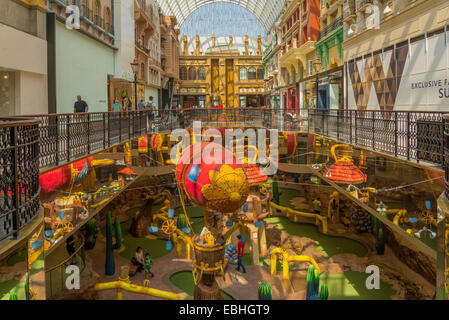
[[333, 26], [446, 153], [411, 135], [19, 175]]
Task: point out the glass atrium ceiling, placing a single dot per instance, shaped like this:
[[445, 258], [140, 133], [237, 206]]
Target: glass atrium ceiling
[[267, 11]]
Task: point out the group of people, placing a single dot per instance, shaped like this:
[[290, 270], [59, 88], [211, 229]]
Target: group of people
[[143, 263]]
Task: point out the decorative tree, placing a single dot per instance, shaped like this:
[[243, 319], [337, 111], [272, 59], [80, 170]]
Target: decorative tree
[[118, 234], [380, 243], [313, 285], [181, 222], [27, 286], [110, 264], [91, 234], [276, 193], [264, 291]]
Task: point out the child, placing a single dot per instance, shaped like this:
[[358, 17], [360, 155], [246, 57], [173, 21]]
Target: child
[[148, 262]]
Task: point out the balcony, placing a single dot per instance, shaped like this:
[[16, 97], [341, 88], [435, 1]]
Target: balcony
[[363, 4], [349, 10], [19, 174], [330, 28]]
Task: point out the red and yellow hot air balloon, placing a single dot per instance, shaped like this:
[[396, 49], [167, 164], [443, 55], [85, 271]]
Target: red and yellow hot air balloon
[[156, 142], [208, 181], [143, 144], [292, 142]]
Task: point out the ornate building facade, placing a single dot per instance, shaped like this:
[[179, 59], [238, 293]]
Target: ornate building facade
[[221, 72]]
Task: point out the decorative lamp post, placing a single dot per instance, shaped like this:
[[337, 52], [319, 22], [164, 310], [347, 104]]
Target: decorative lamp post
[[135, 67]]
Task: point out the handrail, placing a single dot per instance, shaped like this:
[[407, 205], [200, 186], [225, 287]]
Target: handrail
[[69, 258]]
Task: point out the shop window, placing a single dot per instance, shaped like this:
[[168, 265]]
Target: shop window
[[252, 73], [192, 73], [260, 74], [310, 67], [201, 73], [243, 74], [242, 102], [142, 70], [7, 94]]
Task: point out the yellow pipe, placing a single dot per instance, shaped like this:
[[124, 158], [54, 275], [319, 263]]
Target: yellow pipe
[[401, 214], [318, 218], [286, 259], [122, 285]]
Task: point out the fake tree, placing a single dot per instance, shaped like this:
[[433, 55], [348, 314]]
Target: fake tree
[[264, 291], [110, 247], [313, 285]]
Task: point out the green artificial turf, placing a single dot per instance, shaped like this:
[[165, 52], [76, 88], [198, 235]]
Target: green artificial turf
[[12, 286], [351, 286], [17, 257], [156, 248], [328, 245], [184, 281]]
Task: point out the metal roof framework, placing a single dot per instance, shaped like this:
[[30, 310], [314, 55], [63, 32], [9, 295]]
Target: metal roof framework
[[266, 11]]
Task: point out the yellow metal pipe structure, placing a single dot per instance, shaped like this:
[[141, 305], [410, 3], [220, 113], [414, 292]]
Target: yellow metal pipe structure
[[402, 214], [318, 218], [123, 285], [286, 259]]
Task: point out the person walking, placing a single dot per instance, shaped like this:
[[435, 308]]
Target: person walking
[[116, 109], [80, 106], [240, 252], [151, 109]]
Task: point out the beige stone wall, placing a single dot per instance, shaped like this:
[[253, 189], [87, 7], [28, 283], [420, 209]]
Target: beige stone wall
[[410, 18]]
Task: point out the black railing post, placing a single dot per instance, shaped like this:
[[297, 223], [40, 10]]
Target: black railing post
[[104, 130], [15, 191], [88, 133], [338, 124], [350, 125], [374, 129], [68, 137], [120, 127], [109, 127], [408, 135], [395, 134], [57, 139]]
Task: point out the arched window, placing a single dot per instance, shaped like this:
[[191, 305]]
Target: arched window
[[260, 74], [201, 73], [243, 74], [107, 20], [252, 74], [97, 12], [183, 73], [142, 70], [192, 73]]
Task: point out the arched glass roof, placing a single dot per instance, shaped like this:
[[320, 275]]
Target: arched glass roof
[[267, 11]]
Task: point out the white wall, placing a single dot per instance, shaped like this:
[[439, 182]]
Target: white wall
[[32, 93], [124, 38], [82, 67], [26, 56]]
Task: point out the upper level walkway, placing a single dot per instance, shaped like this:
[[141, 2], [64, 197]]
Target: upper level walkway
[[34, 144]]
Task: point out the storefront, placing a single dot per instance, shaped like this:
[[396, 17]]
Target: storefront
[[323, 91], [250, 101], [193, 101]]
